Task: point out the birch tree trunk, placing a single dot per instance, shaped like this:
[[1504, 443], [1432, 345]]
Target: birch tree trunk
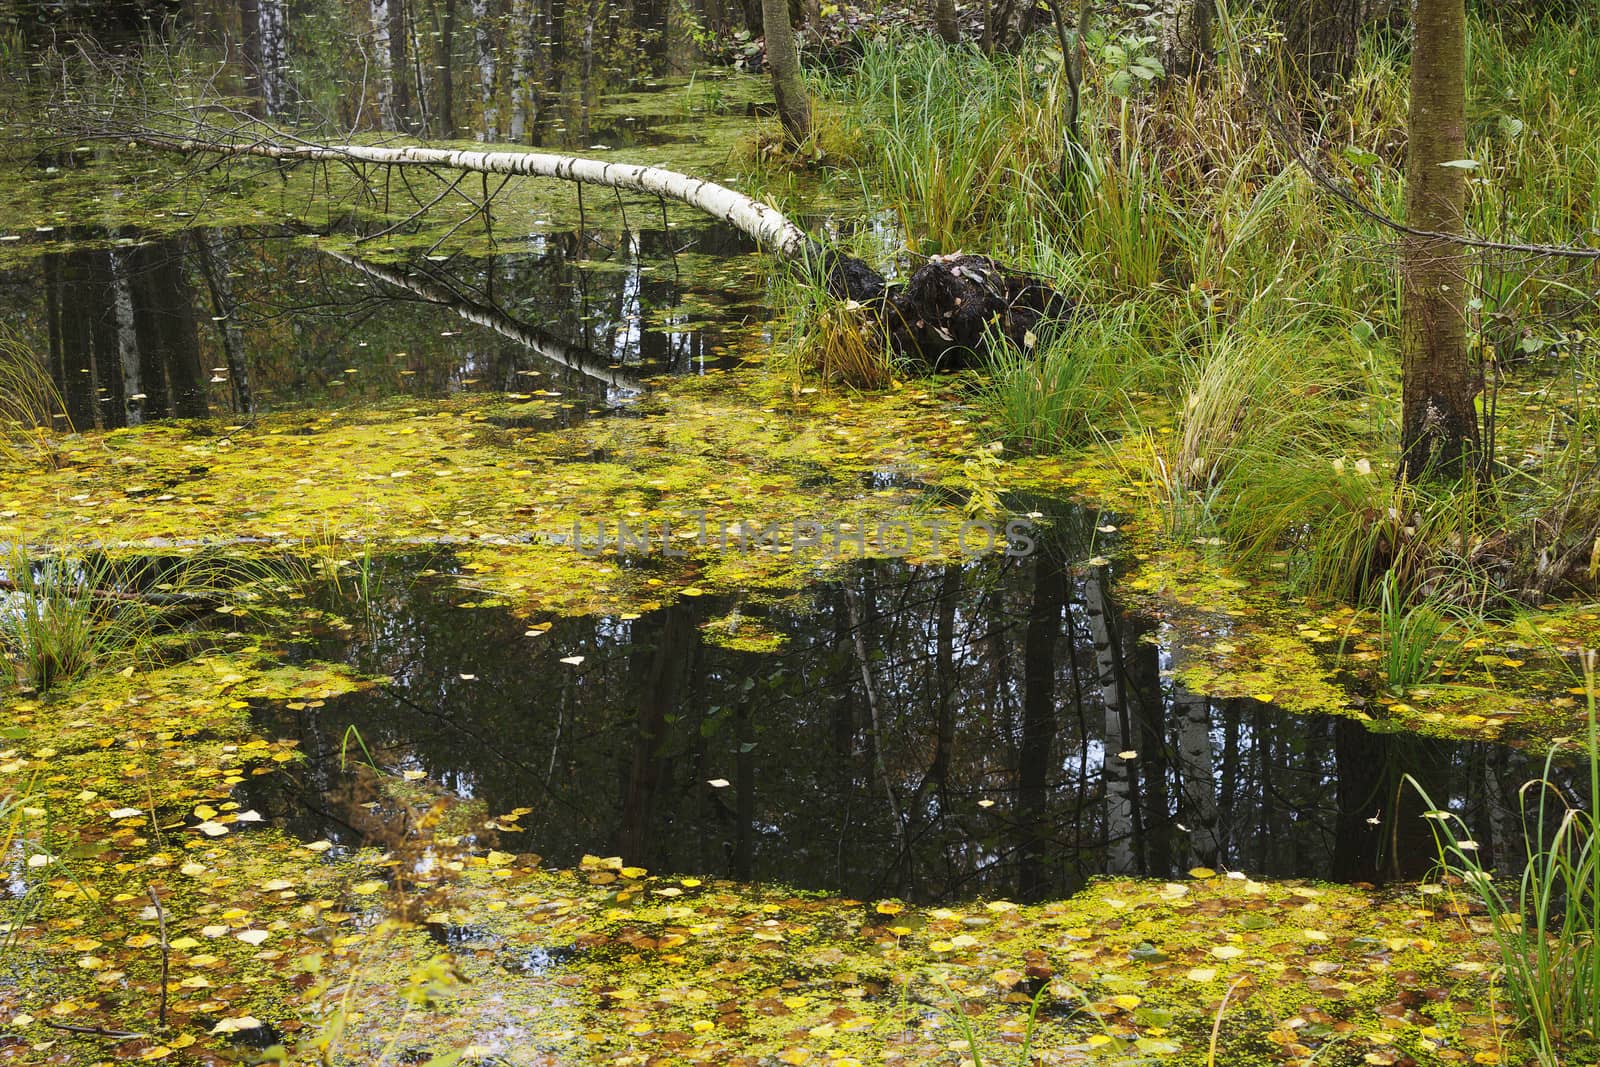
[[382, 63], [766, 225], [783, 56], [489, 130], [943, 316], [1439, 421]]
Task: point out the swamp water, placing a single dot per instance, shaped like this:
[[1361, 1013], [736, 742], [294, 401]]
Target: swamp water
[[338, 800]]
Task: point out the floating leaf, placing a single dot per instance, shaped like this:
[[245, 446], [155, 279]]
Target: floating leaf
[[234, 1025]]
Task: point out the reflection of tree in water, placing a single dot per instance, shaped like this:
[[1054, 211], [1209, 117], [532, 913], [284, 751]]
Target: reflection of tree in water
[[122, 335], [209, 320], [988, 768]]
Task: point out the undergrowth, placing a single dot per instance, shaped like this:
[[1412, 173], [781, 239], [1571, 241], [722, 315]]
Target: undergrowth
[[1235, 353], [1544, 905]]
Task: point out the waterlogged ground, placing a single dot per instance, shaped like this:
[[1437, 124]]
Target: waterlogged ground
[[449, 938], [845, 643], [418, 923]]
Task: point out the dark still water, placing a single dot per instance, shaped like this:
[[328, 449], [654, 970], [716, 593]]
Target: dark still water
[[934, 732], [137, 327]]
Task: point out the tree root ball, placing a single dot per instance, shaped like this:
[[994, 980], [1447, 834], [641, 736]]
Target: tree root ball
[[949, 312]]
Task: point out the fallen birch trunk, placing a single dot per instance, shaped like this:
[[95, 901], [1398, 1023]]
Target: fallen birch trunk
[[942, 317]]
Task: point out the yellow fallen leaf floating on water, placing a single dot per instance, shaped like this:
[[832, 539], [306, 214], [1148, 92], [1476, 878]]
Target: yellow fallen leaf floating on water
[[1227, 952], [233, 1026], [252, 937]]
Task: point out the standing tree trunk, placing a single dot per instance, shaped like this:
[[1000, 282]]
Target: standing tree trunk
[[1439, 429], [444, 66], [482, 31], [1321, 38], [1186, 36], [944, 17], [399, 66], [382, 62], [783, 56]]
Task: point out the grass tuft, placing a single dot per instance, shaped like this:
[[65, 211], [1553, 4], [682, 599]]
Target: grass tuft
[[1545, 921]]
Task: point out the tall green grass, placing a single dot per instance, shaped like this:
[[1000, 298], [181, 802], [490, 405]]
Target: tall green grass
[[1073, 385], [1243, 362], [29, 404], [1545, 919], [60, 617], [64, 615]]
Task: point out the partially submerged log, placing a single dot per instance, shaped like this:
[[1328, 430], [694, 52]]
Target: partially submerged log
[[943, 316]]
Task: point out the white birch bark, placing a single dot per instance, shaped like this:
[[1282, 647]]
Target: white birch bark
[[768, 226], [383, 63], [490, 128]]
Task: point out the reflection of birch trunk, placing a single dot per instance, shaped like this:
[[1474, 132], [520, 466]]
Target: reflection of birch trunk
[[274, 55], [859, 641], [490, 128], [1197, 782], [1116, 773], [265, 27], [215, 269], [577, 359]]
